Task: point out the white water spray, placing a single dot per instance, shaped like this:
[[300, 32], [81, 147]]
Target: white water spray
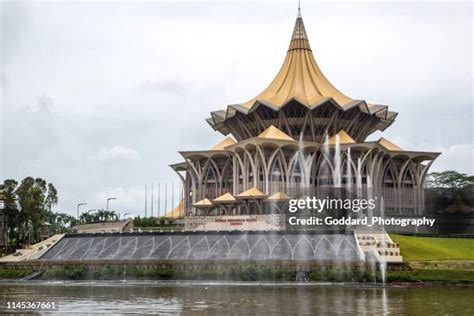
[[383, 241], [337, 163]]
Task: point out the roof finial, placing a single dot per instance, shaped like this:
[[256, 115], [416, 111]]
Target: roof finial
[[299, 8]]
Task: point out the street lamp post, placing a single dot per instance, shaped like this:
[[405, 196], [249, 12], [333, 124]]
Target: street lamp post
[[108, 199], [79, 205]]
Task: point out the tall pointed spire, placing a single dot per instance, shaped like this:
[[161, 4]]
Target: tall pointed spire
[[299, 77], [299, 39]]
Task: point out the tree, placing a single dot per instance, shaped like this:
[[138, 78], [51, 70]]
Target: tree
[[86, 218], [10, 210], [148, 221], [449, 179], [60, 222], [34, 198], [31, 195], [51, 197], [69, 220], [100, 215], [113, 216], [27, 207]]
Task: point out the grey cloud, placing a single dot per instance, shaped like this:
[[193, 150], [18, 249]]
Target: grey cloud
[[45, 103], [14, 22], [173, 86], [4, 81]]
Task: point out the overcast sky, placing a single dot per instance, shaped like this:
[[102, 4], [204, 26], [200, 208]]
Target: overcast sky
[[97, 98]]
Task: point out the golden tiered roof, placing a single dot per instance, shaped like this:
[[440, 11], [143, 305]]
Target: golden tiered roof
[[274, 133], [344, 138], [299, 78]]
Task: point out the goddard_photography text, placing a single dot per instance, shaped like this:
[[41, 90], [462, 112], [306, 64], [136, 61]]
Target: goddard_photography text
[[360, 207]]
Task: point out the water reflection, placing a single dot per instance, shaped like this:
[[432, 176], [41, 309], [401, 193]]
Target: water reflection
[[242, 298]]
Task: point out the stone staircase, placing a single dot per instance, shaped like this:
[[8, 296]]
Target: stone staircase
[[33, 251], [379, 247]]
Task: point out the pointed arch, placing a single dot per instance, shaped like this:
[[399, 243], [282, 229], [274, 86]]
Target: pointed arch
[[276, 172], [210, 180]]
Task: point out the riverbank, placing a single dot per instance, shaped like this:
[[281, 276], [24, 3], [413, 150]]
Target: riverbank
[[432, 275], [8, 274], [244, 272], [247, 273]]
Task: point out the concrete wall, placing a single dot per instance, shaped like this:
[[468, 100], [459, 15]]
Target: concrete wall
[[207, 246]]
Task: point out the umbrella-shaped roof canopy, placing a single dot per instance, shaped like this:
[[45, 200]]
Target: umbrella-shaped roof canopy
[[389, 145], [224, 143], [274, 133], [204, 203], [279, 197], [225, 198], [252, 193], [344, 138]]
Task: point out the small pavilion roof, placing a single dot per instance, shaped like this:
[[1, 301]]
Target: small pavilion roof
[[344, 138], [225, 198], [252, 193], [178, 211], [204, 203], [228, 141], [389, 145], [279, 197], [274, 133]]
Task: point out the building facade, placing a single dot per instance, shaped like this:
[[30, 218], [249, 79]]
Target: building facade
[[299, 137]]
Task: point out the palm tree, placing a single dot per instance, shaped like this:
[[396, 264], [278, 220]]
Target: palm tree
[[101, 215], [70, 220], [95, 216], [110, 216], [113, 215], [86, 218]]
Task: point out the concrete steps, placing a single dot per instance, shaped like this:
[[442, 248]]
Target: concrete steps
[[33, 251], [378, 246]]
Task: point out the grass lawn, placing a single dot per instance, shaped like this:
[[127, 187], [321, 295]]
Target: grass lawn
[[433, 248]]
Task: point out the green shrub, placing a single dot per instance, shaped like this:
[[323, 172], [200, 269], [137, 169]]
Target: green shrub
[[249, 272], [68, 272], [14, 274], [107, 272], [159, 273]]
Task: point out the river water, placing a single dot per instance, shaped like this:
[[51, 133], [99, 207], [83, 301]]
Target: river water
[[201, 298]]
